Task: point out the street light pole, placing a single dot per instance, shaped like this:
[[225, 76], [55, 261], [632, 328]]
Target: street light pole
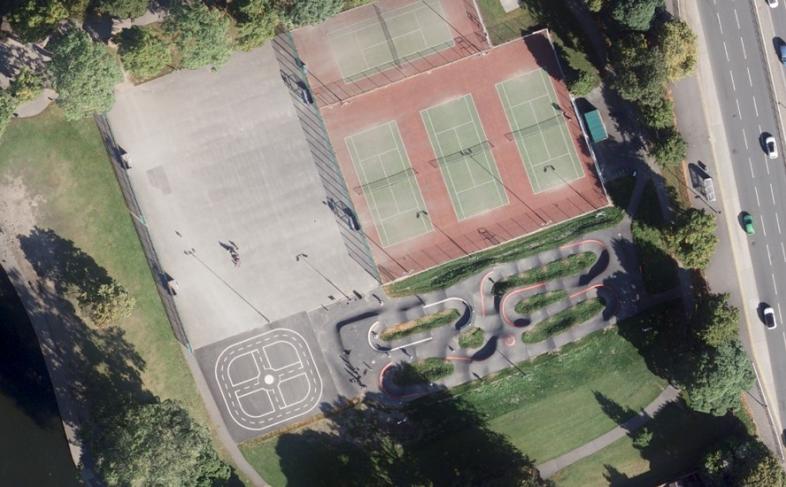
[[301, 257], [425, 213]]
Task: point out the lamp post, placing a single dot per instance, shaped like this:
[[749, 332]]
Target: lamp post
[[425, 213], [301, 257]]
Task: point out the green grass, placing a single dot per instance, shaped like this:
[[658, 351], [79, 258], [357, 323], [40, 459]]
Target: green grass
[[539, 301], [471, 338], [621, 190], [65, 166], [578, 313], [564, 267], [428, 322], [428, 370], [457, 270], [680, 438], [502, 26]]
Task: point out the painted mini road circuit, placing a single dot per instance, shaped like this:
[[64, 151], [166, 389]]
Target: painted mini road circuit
[[268, 379]]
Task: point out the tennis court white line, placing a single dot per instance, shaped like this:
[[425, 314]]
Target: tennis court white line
[[456, 127], [531, 100], [402, 152], [446, 171], [491, 163], [368, 194], [563, 128], [514, 124]]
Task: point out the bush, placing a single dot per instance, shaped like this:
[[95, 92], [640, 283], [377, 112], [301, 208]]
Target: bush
[[594, 5], [109, 304], [657, 115], [122, 9], [471, 338], [143, 52], [84, 75], [8, 106], [678, 43], [668, 147], [557, 323], [26, 85], [563, 267], [581, 76], [429, 370], [539, 301], [35, 19], [635, 14], [305, 12], [201, 35], [434, 320]]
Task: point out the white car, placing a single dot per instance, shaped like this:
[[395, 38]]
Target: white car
[[772, 3], [770, 148], [769, 317]]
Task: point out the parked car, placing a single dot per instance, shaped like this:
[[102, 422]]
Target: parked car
[[747, 223], [770, 147], [772, 3], [769, 317], [782, 52]]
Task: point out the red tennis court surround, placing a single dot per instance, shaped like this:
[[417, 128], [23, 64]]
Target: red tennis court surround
[[401, 104]]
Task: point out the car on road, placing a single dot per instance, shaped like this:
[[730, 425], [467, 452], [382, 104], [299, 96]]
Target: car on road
[[772, 3], [769, 317], [770, 147], [747, 223], [782, 52]]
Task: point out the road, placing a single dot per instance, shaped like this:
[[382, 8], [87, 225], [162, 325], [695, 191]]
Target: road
[[738, 58]]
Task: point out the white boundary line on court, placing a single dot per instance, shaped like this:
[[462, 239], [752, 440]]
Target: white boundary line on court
[[563, 127]]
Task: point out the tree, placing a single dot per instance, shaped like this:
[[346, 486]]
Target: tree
[[256, 23], [678, 43], [201, 34], [35, 19], [143, 52], [635, 14], [594, 5], [26, 85], [305, 12], [157, 444], [691, 238], [122, 9], [84, 75], [638, 67], [657, 115], [668, 147], [716, 321], [109, 304], [8, 106], [718, 379], [741, 462]]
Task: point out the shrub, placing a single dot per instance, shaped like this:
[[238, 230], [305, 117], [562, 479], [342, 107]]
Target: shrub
[[122, 9], [35, 19], [471, 338], [668, 147], [143, 52], [678, 43], [305, 12], [594, 5], [429, 370], [8, 106], [539, 301], [26, 85], [109, 304], [657, 115]]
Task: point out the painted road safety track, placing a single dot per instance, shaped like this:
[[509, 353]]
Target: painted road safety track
[[268, 379]]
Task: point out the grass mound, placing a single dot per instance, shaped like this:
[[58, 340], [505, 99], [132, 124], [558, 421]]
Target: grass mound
[[454, 271], [563, 320], [423, 371], [540, 301], [425, 323], [566, 266], [471, 338]]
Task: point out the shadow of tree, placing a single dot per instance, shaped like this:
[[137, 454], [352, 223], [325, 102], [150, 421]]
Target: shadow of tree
[[615, 411]]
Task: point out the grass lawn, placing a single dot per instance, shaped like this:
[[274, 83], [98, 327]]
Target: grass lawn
[[539, 301], [564, 267], [502, 26], [429, 370], [428, 322], [578, 313], [65, 165], [454, 271], [471, 338], [680, 438]]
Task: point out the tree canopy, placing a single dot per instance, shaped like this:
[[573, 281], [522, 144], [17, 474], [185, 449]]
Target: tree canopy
[[635, 14], [668, 147], [201, 35], [84, 74], [718, 379], [26, 85], [157, 444], [741, 462], [659, 114], [305, 12], [122, 9], [638, 70], [716, 320], [256, 23], [143, 52], [692, 238], [35, 19], [678, 43], [8, 105]]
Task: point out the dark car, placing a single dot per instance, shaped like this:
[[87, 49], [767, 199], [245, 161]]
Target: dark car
[[352, 220]]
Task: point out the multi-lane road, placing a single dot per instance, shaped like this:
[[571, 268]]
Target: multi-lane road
[[740, 38]]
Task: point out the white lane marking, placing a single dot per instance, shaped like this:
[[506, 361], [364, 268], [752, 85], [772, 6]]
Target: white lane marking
[[733, 85], [778, 221], [717, 15], [737, 18], [726, 50], [772, 194], [738, 108], [774, 284], [745, 55], [763, 227], [783, 251], [750, 163], [769, 255], [767, 164], [745, 138], [750, 80], [755, 107], [756, 190], [780, 316]]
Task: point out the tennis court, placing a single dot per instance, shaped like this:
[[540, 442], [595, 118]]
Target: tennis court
[[390, 38], [539, 128], [464, 157], [388, 182]]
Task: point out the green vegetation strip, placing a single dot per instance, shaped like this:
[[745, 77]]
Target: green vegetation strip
[[425, 323], [539, 301], [564, 267], [424, 371], [452, 272], [471, 338], [563, 320]]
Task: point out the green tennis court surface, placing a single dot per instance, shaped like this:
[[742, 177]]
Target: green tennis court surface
[[464, 157], [388, 183], [538, 126], [388, 38]]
